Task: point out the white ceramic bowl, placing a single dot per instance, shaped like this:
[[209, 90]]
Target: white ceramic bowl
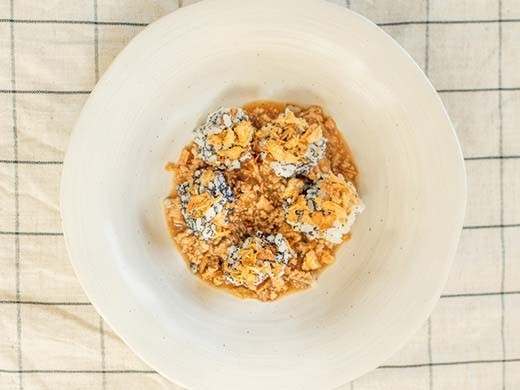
[[227, 52]]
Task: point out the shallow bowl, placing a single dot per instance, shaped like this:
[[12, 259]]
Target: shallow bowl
[[386, 279]]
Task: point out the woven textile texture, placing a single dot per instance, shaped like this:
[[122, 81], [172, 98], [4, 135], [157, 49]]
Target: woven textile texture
[[51, 55]]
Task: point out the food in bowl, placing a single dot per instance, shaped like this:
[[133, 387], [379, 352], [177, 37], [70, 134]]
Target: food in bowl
[[262, 198]]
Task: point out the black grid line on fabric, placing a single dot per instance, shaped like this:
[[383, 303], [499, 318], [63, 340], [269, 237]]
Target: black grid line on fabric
[[426, 71], [500, 226], [502, 234], [18, 233], [96, 41], [497, 89], [476, 158], [78, 371], [96, 76], [44, 92], [103, 352], [68, 21], [427, 40], [430, 354], [39, 303], [60, 162], [421, 22], [469, 227], [399, 366], [480, 294], [17, 198], [180, 2], [32, 162], [444, 296], [456, 363], [86, 92]]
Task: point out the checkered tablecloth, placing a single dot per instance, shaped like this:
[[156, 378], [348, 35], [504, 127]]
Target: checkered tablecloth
[[51, 54]]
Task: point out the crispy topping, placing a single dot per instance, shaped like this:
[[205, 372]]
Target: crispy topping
[[260, 257], [284, 172], [310, 262], [224, 141], [290, 145], [326, 208], [205, 202]]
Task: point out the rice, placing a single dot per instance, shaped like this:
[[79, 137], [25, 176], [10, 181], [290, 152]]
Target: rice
[[239, 232]]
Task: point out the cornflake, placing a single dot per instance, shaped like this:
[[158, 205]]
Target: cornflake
[[224, 141], [205, 202], [326, 208], [260, 257], [290, 145]]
